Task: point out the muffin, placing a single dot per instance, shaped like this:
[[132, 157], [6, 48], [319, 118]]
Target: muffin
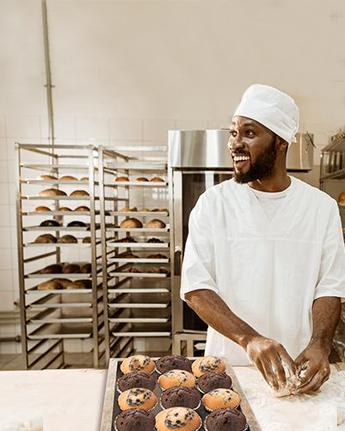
[[226, 420], [137, 363], [178, 418], [180, 397], [155, 223], [77, 193], [71, 268], [52, 192], [76, 223], [221, 399], [211, 380], [67, 239], [136, 379], [51, 269], [174, 378], [173, 362], [134, 420], [131, 223], [42, 208], [47, 238], [137, 398], [122, 178], [206, 364], [48, 223], [82, 208]]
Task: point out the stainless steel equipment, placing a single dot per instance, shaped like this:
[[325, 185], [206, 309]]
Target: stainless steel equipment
[[199, 159]]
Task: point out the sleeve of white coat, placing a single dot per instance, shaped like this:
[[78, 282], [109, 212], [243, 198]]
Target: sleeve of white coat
[[198, 268], [332, 271]]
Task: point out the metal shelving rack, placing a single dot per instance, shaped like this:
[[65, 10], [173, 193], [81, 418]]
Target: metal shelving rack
[[137, 303], [332, 181], [50, 318]]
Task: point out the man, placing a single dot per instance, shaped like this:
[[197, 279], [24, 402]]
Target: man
[[264, 263]]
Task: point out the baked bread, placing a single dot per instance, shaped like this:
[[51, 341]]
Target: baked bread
[[157, 256], [67, 239], [41, 209], [155, 223], [86, 268], [130, 420], [207, 363], [84, 179], [65, 209], [126, 239], [46, 238], [65, 283], [137, 363], [178, 419], [173, 362], [221, 399], [71, 268], [48, 223], [174, 378], [82, 284], [226, 419], [76, 223], [154, 240], [76, 193], [50, 285], [128, 255], [46, 177], [131, 223], [127, 209], [68, 178], [52, 192], [86, 240], [341, 199], [136, 379], [157, 180], [122, 178], [180, 397], [82, 208], [211, 380], [137, 398], [55, 268], [141, 179]]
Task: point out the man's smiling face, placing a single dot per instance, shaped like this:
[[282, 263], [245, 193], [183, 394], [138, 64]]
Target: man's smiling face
[[253, 150]]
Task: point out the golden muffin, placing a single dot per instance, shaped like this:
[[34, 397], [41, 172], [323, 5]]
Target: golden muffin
[[221, 399], [137, 363], [178, 418], [206, 364], [137, 398], [174, 378]]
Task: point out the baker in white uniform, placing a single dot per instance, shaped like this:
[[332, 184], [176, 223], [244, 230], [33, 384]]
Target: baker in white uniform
[[264, 263]]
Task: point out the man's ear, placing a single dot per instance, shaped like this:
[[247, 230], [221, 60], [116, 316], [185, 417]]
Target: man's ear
[[281, 145]]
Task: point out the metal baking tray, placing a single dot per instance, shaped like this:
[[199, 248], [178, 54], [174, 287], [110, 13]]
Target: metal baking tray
[[50, 167], [137, 260], [58, 244], [138, 274], [58, 198], [74, 276], [61, 331], [139, 230], [134, 245], [36, 291], [138, 213], [138, 184], [56, 228], [111, 409], [57, 213], [65, 182]]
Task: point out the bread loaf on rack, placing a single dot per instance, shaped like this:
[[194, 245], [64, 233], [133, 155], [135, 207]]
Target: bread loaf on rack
[[52, 192], [77, 193], [131, 223], [46, 238]]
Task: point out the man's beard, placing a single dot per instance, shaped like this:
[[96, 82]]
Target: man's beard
[[262, 168]]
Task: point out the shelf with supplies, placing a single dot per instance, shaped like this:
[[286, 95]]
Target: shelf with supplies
[[135, 239], [59, 255]]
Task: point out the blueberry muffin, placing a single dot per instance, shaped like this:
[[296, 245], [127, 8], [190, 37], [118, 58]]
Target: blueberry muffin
[[178, 418], [137, 398]]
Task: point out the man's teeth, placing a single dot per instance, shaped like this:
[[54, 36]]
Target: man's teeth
[[240, 158]]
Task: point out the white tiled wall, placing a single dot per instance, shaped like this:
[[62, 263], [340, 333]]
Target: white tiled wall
[[127, 71]]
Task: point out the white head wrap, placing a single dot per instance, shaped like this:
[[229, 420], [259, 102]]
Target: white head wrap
[[271, 107]]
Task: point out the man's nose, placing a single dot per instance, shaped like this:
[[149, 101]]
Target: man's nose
[[235, 143]]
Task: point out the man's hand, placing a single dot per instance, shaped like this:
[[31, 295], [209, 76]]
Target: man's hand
[[316, 369], [269, 356]]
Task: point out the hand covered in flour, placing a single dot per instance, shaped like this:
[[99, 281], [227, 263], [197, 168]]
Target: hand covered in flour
[[314, 369], [272, 360]]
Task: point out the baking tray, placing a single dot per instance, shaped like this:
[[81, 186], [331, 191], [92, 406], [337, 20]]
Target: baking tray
[[111, 409]]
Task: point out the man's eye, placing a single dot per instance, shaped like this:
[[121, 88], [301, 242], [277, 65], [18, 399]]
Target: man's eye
[[250, 133], [233, 133]]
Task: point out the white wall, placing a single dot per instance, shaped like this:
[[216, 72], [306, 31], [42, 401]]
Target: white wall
[[127, 71]]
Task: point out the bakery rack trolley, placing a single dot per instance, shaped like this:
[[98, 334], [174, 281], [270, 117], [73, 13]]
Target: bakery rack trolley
[[332, 181], [136, 271], [59, 321]]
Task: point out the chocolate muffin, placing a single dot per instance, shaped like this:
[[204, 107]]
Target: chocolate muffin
[[136, 379], [134, 420], [180, 397], [173, 362], [47, 223], [226, 420], [211, 380]]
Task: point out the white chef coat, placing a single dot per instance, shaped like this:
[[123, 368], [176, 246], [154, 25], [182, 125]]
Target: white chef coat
[[268, 271]]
